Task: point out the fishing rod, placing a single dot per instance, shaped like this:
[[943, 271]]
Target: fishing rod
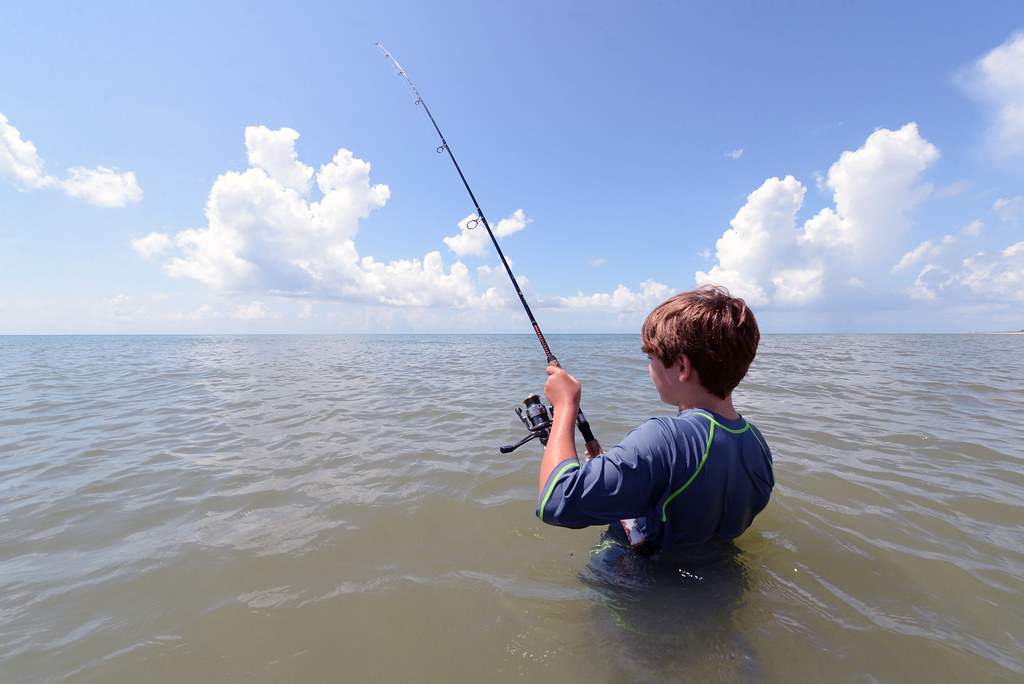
[[536, 418]]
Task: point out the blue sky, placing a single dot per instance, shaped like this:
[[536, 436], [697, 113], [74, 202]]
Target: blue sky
[[174, 169]]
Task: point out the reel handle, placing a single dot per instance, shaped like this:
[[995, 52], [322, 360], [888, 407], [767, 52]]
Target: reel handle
[[509, 448]]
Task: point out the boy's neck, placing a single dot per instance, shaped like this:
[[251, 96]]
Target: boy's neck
[[710, 402]]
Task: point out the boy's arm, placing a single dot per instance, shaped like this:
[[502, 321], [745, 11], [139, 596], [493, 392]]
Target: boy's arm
[[563, 391], [620, 484], [623, 483], [561, 443]]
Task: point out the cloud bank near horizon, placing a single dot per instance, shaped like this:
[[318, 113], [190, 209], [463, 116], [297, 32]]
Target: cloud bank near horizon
[[267, 236], [852, 253]]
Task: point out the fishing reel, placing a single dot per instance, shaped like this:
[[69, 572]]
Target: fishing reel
[[536, 418]]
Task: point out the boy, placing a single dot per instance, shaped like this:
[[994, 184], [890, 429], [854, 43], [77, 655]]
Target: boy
[[699, 476]]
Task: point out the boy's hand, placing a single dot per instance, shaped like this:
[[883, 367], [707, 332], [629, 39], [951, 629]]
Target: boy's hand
[[562, 390]]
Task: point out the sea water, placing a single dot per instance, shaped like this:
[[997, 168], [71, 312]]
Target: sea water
[[334, 508]]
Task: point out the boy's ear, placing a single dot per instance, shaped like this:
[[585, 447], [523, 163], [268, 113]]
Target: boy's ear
[[685, 368]]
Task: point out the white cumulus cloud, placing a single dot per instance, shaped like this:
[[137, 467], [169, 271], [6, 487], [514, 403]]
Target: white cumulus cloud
[[621, 300], [274, 152], [152, 245], [102, 186], [281, 228], [21, 164], [475, 241], [734, 154], [762, 237], [19, 160], [995, 276], [928, 249], [929, 282], [767, 257], [797, 286], [981, 277], [874, 190], [997, 79]]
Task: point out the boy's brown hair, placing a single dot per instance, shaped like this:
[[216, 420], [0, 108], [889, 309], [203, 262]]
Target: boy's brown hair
[[716, 331]]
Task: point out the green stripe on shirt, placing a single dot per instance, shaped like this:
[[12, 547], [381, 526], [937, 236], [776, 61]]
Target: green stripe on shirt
[[703, 459], [551, 487]]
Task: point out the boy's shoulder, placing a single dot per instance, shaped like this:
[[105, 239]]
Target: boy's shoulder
[[688, 426], [698, 421], [691, 431], [702, 424]]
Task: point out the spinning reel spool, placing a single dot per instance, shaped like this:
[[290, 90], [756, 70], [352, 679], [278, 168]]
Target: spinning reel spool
[[537, 419]]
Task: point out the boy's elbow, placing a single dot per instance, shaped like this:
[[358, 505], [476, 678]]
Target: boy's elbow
[[558, 518]]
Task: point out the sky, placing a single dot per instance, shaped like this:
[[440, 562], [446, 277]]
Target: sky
[[261, 168]]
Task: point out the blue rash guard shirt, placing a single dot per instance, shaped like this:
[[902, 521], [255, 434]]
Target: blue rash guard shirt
[[687, 480]]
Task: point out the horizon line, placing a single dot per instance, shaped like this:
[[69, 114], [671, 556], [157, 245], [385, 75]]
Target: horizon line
[[460, 333]]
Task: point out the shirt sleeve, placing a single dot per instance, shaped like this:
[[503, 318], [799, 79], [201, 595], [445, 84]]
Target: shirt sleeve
[[623, 483]]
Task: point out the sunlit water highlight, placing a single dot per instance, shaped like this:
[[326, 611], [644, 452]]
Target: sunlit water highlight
[[267, 509]]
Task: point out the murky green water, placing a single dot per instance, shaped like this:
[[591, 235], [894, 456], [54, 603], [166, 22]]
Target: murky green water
[[274, 509]]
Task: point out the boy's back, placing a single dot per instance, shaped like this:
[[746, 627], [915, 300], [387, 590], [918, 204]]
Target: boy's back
[[688, 479]]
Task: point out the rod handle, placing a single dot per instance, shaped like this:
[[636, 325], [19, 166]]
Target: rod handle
[[593, 446]]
